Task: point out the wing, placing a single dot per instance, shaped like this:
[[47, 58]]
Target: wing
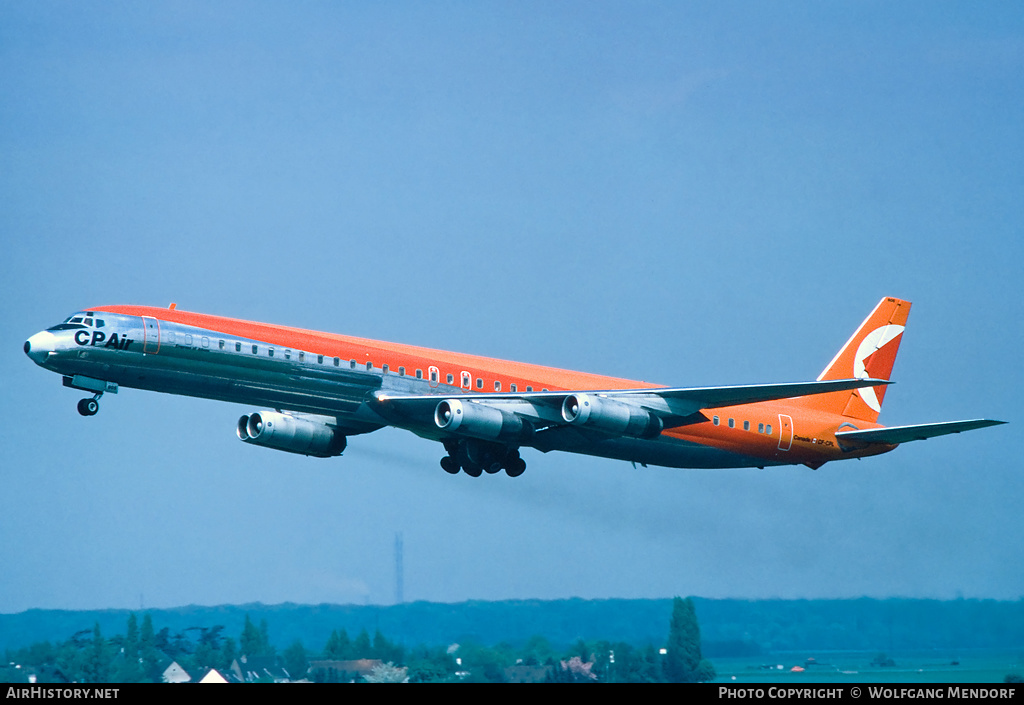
[[917, 432], [641, 413]]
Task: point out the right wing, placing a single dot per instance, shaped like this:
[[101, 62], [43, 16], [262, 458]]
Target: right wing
[[642, 413]]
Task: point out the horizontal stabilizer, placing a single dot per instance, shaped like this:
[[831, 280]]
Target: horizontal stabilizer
[[918, 432]]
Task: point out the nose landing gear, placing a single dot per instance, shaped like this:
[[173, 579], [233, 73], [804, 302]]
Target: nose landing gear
[[89, 407]]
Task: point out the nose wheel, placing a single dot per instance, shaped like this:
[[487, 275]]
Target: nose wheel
[[89, 406]]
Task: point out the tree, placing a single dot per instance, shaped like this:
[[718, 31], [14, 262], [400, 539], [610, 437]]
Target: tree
[[295, 661], [387, 673], [96, 659], [255, 641], [361, 647], [683, 662], [130, 670], [148, 651], [385, 650], [574, 670], [339, 646]]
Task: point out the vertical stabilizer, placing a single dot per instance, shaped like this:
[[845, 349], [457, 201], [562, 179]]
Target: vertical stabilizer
[[869, 353]]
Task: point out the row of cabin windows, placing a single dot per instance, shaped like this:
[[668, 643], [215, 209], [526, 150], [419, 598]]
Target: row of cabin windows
[[761, 428], [466, 378]]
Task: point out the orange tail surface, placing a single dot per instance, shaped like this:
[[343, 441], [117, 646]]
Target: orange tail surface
[[869, 353]]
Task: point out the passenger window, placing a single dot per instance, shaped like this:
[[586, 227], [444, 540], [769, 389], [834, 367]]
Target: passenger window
[[760, 428], [512, 388], [746, 425], [732, 423], [529, 388], [768, 429], [419, 374], [337, 362], [270, 351], [238, 347], [352, 364], [320, 359], [714, 420], [479, 383], [302, 356], [206, 342], [401, 372], [497, 386], [385, 369], [255, 350], [287, 354], [451, 378]]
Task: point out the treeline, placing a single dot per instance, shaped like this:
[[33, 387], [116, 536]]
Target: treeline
[[138, 655], [142, 655], [729, 627]]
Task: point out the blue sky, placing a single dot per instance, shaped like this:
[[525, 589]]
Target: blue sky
[[688, 194]]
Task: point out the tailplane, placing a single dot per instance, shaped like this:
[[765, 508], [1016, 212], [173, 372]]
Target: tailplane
[[868, 354]]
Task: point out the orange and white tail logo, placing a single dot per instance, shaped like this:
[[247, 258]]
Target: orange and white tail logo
[[869, 353]]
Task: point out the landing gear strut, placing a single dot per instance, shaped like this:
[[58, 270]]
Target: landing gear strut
[[89, 407], [475, 457]]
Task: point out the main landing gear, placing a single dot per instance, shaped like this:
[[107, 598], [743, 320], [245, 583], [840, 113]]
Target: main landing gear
[[477, 457], [89, 407]]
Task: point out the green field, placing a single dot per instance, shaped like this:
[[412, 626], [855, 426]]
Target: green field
[[855, 667]]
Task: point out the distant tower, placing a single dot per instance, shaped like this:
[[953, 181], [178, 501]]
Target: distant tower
[[399, 571]]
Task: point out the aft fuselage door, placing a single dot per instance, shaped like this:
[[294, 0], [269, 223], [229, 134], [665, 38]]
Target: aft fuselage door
[[785, 432], [152, 344]]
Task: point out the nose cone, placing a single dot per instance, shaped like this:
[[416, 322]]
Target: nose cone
[[39, 346]]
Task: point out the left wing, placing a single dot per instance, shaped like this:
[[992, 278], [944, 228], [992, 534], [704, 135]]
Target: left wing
[[893, 435]]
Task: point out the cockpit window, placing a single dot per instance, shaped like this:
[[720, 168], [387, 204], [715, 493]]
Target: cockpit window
[[80, 320], [74, 321]]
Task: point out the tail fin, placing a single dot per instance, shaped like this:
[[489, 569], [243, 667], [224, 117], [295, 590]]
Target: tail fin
[[869, 353]]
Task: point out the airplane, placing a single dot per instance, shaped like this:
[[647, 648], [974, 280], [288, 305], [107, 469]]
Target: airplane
[[321, 388]]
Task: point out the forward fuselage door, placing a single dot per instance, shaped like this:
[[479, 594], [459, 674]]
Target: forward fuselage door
[[785, 432], [152, 344]]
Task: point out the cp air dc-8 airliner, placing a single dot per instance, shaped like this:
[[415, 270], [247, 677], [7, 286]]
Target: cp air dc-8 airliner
[[323, 388]]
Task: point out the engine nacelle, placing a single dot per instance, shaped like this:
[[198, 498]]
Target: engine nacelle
[[480, 421], [291, 433], [611, 416]]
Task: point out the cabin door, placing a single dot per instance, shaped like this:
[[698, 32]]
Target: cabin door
[[785, 432], [152, 344]]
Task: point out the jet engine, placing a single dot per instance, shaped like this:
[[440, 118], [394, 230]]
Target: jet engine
[[610, 416], [293, 433], [480, 421]]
